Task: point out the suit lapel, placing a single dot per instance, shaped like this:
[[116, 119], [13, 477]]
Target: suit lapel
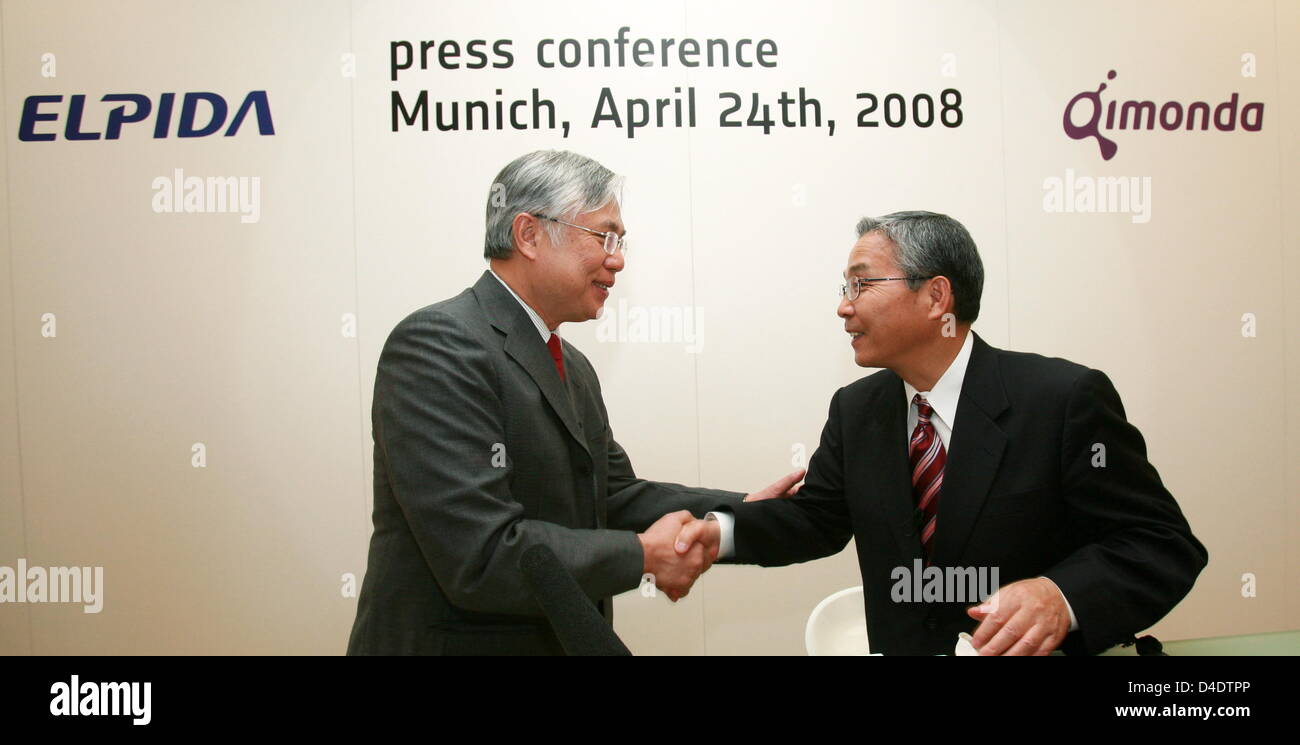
[[583, 409], [974, 453], [525, 347], [884, 426]]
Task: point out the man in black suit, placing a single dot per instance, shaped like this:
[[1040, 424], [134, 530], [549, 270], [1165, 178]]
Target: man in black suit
[[491, 437], [960, 456]]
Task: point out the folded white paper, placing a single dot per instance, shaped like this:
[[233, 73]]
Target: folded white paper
[[964, 647]]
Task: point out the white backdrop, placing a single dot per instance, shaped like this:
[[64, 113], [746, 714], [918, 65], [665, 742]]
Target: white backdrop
[[186, 394]]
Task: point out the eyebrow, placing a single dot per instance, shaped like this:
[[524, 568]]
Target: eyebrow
[[611, 226], [859, 267]]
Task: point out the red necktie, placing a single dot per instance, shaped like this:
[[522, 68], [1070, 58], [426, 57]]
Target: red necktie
[[557, 354], [927, 456]]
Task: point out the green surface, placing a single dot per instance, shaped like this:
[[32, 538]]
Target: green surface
[[1276, 643]]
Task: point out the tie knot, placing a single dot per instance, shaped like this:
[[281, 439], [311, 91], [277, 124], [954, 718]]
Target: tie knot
[[553, 344], [923, 408]]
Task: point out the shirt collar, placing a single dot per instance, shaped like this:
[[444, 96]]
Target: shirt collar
[[946, 393], [532, 314]]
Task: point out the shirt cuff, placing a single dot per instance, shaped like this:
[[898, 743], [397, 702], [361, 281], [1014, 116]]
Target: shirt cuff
[[727, 526], [1074, 622]]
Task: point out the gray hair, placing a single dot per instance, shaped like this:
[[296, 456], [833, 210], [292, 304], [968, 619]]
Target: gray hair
[[927, 244], [553, 183]]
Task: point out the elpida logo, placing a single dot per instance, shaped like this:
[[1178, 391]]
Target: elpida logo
[[1080, 122], [201, 114], [87, 699]]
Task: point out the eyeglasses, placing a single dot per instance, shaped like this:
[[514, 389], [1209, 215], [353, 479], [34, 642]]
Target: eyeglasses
[[613, 241], [853, 288]]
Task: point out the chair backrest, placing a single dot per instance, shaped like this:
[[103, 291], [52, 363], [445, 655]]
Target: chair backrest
[[838, 626]]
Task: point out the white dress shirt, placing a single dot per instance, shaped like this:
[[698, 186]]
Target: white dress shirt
[[943, 399]]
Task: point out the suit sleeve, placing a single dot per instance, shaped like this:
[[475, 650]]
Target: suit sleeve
[[634, 503], [439, 425], [810, 525], [1138, 557]]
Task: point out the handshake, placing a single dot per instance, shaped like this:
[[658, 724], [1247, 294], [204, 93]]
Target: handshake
[[679, 548]]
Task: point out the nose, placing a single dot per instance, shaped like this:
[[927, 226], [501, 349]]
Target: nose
[[615, 261], [846, 307]]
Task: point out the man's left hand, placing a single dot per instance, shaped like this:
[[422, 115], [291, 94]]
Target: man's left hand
[[1028, 617], [782, 488]]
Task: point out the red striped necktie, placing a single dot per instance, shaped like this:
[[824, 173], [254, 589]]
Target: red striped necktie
[[557, 354], [927, 456]]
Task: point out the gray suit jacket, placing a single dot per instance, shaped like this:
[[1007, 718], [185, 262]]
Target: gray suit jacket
[[481, 451]]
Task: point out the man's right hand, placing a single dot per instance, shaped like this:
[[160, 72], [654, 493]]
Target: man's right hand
[[700, 534], [674, 571], [708, 533]]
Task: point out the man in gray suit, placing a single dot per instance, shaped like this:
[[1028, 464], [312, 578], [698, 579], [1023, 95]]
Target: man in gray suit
[[491, 437]]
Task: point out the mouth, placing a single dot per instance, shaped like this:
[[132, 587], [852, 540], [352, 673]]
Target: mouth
[[603, 288], [854, 336]]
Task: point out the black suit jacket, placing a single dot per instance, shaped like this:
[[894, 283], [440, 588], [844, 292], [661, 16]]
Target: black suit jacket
[[1022, 492], [481, 451]]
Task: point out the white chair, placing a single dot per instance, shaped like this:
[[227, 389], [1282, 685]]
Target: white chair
[[838, 627]]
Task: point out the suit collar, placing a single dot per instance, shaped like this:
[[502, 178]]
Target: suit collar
[[504, 310], [974, 453], [524, 346], [538, 323], [983, 384]]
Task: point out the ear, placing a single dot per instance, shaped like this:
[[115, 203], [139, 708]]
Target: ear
[[939, 295], [525, 230]]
